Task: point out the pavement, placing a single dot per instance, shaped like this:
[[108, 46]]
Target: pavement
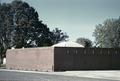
[[98, 74]]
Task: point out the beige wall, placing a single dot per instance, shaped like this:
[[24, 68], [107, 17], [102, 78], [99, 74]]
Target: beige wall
[[63, 58], [40, 59]]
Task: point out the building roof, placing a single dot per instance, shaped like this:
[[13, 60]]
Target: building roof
[[68, 44]]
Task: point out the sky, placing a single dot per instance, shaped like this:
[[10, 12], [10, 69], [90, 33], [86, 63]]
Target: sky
[[77, 18]]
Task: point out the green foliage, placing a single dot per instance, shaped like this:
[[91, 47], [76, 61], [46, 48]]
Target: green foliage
[[20, 27], [4, 29], [58, 35], [107, 35], [84, 41]]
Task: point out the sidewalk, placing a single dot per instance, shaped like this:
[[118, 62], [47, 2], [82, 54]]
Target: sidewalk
[[101, 74]]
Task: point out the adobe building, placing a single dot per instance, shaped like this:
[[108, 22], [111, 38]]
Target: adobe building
[[62, 58]]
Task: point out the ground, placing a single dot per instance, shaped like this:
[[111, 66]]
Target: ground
[[15, 75]]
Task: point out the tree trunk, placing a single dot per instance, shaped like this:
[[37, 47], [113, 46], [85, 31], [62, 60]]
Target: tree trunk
[[1, 59]]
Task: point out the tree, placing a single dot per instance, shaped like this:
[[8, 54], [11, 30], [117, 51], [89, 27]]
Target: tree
[[4, 29], [84, 41], [58, 35], [107, 35], [20, 27], [25, 28]]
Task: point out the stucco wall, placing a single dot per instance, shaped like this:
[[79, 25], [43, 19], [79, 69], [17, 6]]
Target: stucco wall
[[39, 59], [63, 58]]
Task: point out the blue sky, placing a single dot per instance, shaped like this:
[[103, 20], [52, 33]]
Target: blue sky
[[75, 17]]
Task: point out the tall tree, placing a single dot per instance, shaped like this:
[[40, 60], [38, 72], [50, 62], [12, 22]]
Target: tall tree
[[27, 30], [24, 19], [84, 41], [20, 27], [4, 29], [107, 35]]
